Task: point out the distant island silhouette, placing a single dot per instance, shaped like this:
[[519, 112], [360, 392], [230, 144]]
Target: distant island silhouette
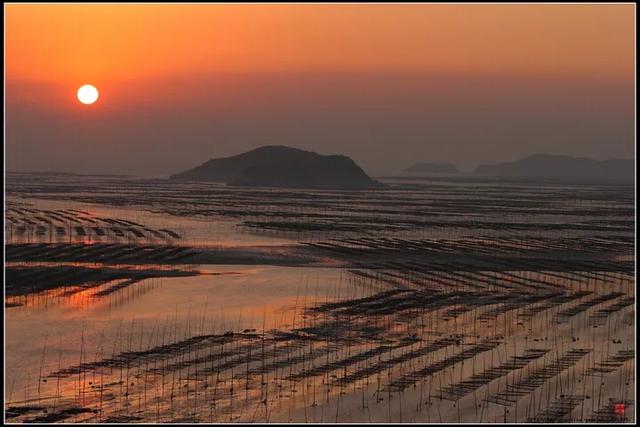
[[555, 166], [282, 166], [432, 168]]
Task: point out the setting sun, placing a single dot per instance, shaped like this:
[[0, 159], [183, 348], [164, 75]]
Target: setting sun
[[320, 213], [88, 94]]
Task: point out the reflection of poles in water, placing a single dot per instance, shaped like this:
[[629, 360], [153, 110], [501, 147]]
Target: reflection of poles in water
[[146, 361], [186, 354], [81, 386], [264, 386], [57, 395], [44, 350], [101, 377], [209, 373], [130, 341]]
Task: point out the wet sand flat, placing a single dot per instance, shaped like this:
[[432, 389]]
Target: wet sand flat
[[437, 301]]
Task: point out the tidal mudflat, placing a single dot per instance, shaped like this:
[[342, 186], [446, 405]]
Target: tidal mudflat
[[463, 300]]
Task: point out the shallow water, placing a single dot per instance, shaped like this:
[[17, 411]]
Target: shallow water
[[386, 240], [237, 297]]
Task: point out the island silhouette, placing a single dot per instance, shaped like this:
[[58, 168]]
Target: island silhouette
[[556, 166], [282, 166]]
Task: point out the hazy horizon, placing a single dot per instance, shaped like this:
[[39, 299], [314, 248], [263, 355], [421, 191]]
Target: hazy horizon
[[371, 82], [374, 173]]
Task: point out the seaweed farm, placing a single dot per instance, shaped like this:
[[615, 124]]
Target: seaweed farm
[[438, 301]]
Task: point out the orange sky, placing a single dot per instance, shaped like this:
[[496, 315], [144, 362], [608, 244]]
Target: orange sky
[[105, 42], [385, 84]]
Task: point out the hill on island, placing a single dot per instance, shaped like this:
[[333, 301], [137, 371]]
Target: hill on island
[[432, 168], [552, 166], [281, 166]]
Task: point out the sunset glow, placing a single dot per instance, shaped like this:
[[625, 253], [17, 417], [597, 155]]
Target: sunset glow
[[292, 73], [321, 213]]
